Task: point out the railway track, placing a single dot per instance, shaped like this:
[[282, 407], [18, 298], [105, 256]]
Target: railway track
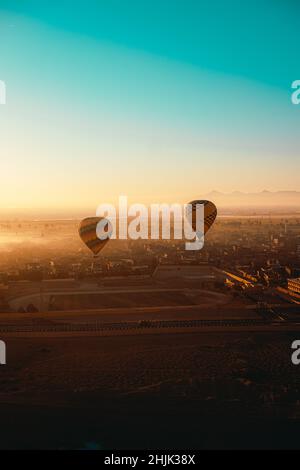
[[97, 326]]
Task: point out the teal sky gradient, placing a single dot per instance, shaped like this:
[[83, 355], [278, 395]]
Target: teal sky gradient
[[161, 100]]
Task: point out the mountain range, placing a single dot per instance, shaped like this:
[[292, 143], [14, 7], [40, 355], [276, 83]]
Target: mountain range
[[279, 199]]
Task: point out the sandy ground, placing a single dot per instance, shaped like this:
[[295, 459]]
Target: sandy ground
[[201, 390]]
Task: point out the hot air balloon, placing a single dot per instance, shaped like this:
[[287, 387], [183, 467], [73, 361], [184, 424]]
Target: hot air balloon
[[88, 233], [210, 213]]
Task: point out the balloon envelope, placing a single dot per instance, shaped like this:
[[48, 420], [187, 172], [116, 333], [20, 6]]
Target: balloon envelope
[[210, 213], [88, 233]]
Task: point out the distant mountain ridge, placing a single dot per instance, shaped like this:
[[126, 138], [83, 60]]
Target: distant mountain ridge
[[260, 199]]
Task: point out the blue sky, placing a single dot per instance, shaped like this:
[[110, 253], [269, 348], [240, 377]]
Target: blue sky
[[169, 99]]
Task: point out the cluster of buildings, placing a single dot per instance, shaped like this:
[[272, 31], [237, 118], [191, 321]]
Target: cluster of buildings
[[264, 252]]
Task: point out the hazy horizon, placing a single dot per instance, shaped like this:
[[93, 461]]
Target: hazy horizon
[[286, 202]]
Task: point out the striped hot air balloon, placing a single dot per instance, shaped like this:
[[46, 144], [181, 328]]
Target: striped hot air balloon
[[210, 214], [88, 233]]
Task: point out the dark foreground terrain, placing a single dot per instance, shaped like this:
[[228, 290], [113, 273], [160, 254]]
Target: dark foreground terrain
[[204, 390]]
